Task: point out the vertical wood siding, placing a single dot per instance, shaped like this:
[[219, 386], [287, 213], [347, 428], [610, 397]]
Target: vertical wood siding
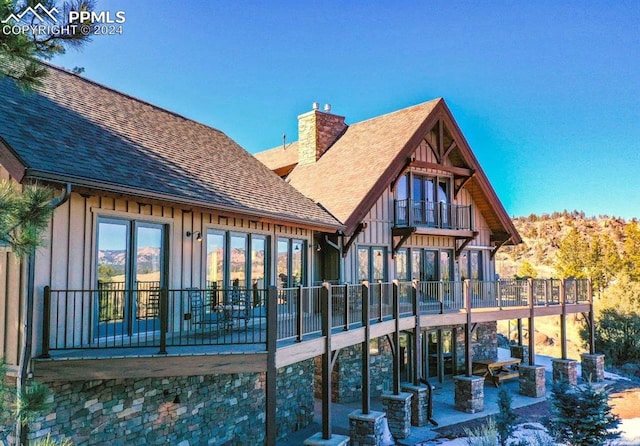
[[381, 216], [11, 286], [68, 259]]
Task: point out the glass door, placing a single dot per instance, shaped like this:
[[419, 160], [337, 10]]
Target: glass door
[[148, 264], [443, 204], [130, 265]]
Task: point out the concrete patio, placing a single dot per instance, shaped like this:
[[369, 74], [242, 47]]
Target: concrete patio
[[443, 410]]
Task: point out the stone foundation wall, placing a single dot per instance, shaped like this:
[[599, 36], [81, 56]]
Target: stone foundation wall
[[347, 385], [185, 411], [295, 404], [484, 342]]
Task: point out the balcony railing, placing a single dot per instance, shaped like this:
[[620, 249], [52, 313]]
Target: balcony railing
[[412, 213], [113, 317]]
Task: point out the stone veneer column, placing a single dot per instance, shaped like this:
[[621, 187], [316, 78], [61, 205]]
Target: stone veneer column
[[469, 393], [366, 429], [565, 370], [419, 404], [521, 352], [398, 409], [532, 381], [335, 440], [592, 367]]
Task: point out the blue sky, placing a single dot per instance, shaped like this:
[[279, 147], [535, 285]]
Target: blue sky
[[547, 93]]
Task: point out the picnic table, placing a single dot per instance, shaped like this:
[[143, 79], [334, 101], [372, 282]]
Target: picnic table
[[497, 370]]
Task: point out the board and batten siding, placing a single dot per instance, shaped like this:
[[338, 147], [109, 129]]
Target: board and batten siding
[[67, 261], [380, 220], [12, 286]]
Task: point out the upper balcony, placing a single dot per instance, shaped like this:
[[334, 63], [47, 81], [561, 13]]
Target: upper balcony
[[430, 217]]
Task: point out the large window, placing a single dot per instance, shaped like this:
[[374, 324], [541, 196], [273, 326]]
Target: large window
[[431, 265], [471, 265], [372, 263], [291, 261], [236, 259], [423, 200]]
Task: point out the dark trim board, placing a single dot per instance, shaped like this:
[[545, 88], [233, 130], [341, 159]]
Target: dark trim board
[[148, 367]]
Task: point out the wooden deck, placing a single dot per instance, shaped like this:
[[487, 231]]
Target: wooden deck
[[301, 320]]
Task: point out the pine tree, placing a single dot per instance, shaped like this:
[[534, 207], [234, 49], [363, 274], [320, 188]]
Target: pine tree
[[632, 250], [19, 51], [582, 415], [527, 270], [23, 216], [506, 419]]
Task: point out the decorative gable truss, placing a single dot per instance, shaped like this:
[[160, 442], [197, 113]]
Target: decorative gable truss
[[446, 158]]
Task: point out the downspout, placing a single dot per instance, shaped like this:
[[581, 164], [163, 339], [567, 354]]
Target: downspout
[[27, 323]]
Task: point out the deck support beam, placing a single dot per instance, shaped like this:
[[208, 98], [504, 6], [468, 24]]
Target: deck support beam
[[563, 321], [396, 342], [520, 331], [532, 325], [366, 354], [272, 371], [417, 349], [326, 362], [467, 329]]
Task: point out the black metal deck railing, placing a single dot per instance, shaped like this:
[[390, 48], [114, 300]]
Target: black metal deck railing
[[414, 213], [150, 316]]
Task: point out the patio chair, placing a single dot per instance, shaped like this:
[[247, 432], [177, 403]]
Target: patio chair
[[237, 305], [198, 314]]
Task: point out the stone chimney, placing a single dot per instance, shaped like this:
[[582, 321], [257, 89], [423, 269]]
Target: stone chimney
[[317, 131]]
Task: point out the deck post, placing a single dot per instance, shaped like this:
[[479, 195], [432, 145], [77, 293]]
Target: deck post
[[380, 302], [563, 320], [519, 331], [164, 320], [326, 361], [396, 342], [467, 329], [417, 332], [345, 308], [532, 325], [46, 322], [300, 313], [366, 353], [272, 372], [592, 322]]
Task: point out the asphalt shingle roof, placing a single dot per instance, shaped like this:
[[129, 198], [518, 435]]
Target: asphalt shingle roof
[[87, 133], [364, 160]]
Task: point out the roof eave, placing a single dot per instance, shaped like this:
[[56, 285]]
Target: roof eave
[[117, 188], [394, 169], [11, 161], [482, 179]]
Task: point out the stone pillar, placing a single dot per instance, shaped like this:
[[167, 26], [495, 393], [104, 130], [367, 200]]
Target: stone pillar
[[565, 370], [419, 404], [532, 381], [335, 440], [366, 429], [469, 393], [398, 409], [521, 352], [593, 367]]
